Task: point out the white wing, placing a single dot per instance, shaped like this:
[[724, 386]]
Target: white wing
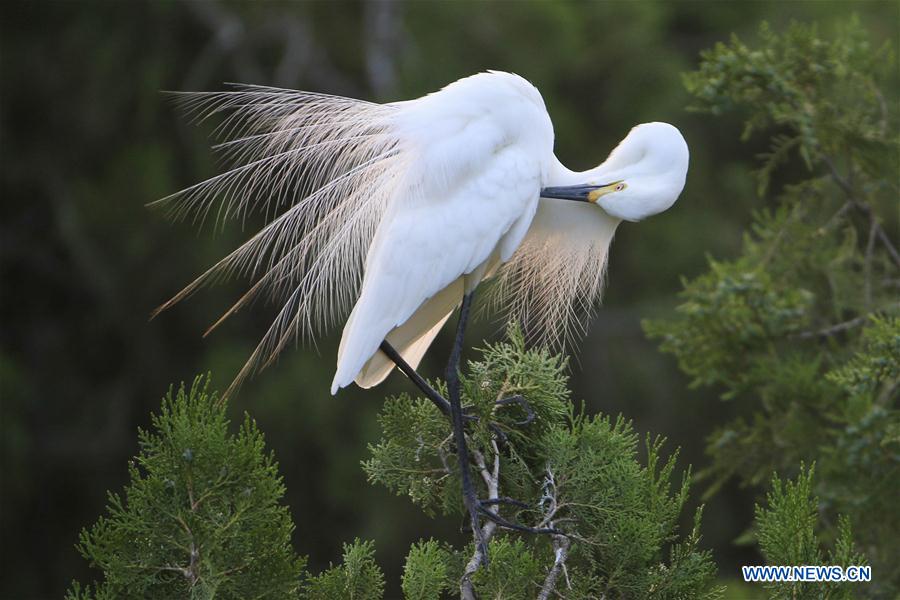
[[424, 248], [482, 148]]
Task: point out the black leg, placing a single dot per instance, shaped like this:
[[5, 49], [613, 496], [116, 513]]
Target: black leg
[[459, 434], [453, 409], [509, 524], [441, 403], [420, 383]]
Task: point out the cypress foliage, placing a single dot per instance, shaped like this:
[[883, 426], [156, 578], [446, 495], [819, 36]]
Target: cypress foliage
[[787, 527], [357, 578], [580, 474], [426, 572], [802, 327], [201, 516]]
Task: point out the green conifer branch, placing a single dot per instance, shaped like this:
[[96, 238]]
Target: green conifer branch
[[801, 326]]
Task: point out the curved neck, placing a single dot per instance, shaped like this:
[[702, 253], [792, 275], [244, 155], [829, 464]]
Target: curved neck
[[561, 175]]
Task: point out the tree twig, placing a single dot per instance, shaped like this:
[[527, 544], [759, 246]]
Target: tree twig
[[867, 265], [862, 207], [561, 543], [839, 327], [492, 481], [838, 178], [886, 241], [561, 550], [829, 331]]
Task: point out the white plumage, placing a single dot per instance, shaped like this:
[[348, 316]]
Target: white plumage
[[397, 210]]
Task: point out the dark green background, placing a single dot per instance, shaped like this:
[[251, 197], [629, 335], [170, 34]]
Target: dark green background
[[87, 140]]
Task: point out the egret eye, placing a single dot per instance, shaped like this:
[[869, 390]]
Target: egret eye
[[619, 187]]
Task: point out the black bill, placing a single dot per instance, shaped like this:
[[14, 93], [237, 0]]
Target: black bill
[[579, 193]]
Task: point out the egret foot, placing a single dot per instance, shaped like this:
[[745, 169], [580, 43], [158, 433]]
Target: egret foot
[[512, 400], [484, 511], [495, 426], [521, 401]]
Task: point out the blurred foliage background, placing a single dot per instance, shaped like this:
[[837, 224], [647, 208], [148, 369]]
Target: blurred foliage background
[[87, 140]]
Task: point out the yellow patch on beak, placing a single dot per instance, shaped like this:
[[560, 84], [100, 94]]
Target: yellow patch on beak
[[616, 186]]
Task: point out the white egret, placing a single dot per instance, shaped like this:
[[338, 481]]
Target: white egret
[[400, 210]]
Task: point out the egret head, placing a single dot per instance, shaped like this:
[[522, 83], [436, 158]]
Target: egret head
[[643, 176]]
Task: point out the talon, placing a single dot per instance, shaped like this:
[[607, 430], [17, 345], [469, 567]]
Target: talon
[[501, 437], [501, 522], [521, 401], [467, 414], [503, 500]]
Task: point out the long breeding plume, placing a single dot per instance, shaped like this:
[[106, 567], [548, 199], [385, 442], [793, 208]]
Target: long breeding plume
[[322, 170]]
